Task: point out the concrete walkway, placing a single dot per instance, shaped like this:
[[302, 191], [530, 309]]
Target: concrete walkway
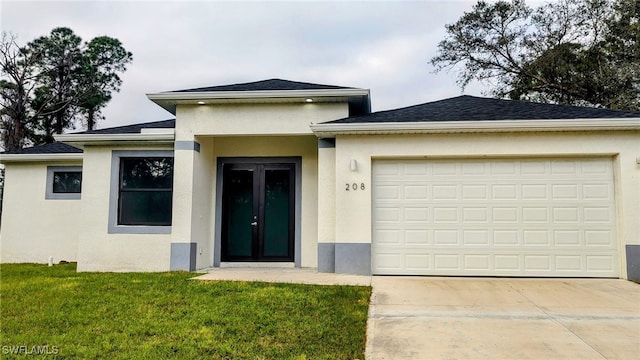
[[484, 318], [284, 275]]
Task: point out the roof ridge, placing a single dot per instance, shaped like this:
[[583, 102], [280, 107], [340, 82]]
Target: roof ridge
[[275, 84]]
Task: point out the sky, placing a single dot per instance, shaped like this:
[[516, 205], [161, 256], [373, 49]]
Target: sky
[[383, 46]]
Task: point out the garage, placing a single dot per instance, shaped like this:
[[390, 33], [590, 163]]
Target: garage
[[539, 217]]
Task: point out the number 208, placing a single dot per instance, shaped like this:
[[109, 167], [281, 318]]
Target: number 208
[[354, 187]]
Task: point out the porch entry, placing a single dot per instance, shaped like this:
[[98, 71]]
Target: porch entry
[[258, 211]]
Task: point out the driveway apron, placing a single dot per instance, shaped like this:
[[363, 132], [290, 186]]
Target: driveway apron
[[499, 318]]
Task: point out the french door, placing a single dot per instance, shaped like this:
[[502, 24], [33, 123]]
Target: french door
[[258, 211]]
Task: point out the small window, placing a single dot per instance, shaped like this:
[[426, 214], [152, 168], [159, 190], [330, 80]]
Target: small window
[[145, 191], [67, 182], [64, 182]]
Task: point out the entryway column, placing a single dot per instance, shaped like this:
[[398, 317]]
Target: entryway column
[[326, 205], [192, 203]]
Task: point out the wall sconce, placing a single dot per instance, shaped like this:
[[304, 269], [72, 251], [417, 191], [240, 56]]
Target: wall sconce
[[353, 165]]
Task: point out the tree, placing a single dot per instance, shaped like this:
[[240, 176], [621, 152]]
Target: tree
[[18, 81], [102, 60], [54, 83], [578, 52], [59, 75]]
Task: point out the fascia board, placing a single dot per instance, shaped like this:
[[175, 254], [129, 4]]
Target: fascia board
[[329, 129], [169, 100], [88, 138], [80, 140], [4, 158], [262, 94]]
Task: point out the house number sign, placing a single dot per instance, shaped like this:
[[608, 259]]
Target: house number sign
[[354, 186]]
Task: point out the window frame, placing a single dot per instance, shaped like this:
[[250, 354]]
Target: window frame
[[114, 198], [50, 195]]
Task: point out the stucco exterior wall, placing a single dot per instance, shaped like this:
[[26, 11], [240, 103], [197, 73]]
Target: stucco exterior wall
[[353, 208], [285, 146], [244, 130], [33, 228], [97, 249], [254, 119], [326, 208], [192, 200], [327, 185]]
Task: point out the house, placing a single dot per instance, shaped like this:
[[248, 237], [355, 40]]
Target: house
[[292, 174]]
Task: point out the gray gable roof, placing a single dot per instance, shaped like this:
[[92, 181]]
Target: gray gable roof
[[53, 148], [265, 85], [472, 108]]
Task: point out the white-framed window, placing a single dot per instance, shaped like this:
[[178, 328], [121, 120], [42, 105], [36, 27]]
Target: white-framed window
[[64, 183], [141, 192]]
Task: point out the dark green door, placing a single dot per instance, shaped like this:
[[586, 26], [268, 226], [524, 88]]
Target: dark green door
[[258, 212]]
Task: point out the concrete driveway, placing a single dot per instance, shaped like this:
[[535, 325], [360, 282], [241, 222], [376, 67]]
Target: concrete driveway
[[488, 318]]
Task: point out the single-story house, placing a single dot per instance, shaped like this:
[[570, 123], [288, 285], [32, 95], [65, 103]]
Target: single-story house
[[293, 174]]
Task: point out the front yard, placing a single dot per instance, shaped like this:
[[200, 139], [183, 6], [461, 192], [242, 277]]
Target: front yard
[[55, 312]]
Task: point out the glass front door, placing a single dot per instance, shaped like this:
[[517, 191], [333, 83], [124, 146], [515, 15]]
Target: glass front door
[[258, 212]]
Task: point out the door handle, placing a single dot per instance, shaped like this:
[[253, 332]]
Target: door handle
[[255, 223]]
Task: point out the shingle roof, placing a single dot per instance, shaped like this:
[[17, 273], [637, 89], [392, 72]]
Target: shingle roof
[[53, 148], [265, 85], [472, 108], [133, 129], [61, 148]]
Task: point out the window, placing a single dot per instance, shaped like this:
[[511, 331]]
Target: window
[[146, 189], [141, 192], [64, 182]]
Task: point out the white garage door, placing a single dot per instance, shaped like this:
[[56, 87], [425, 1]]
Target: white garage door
[[512, 217]]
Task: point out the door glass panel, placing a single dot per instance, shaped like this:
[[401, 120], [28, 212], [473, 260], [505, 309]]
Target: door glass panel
[[276, 212], [239, 210]]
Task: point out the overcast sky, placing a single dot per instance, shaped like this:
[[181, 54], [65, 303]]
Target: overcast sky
[[381, 46]]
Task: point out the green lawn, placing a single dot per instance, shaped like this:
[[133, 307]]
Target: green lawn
[[66, 314]]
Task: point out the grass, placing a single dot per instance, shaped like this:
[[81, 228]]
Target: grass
[[66, 314]]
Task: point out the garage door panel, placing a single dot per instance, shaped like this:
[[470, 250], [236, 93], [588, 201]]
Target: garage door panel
[[603, 238], [600, 191], [534, 192], [567, 238], [416, 192], [507, 237], [494, 217], [475, 192], [416, 237]]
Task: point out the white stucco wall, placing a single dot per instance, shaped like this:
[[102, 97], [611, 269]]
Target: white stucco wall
[[353, 208], [97, 249], [254, 119], [33, 228], [193, 200], [244, 130], [326, 203]]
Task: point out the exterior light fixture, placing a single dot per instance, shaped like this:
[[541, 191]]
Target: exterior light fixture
[[200, 102], [353, 165], [309, 100]]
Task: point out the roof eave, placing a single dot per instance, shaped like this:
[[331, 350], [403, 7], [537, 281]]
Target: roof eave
[[544, 125], [169, 100], [147, 138], [6, 158]]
